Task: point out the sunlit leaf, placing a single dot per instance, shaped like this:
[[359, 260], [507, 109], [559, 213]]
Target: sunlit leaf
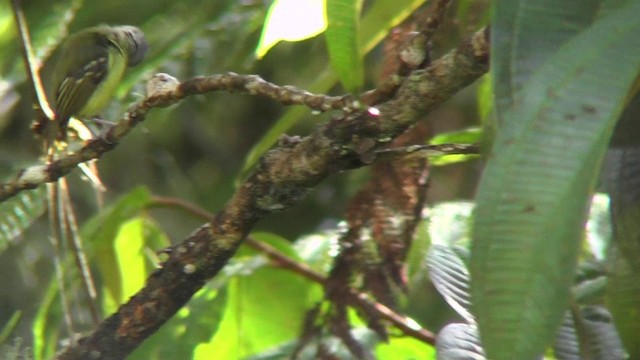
[[102, 230], [467, 136], [405, 348], [291, 20], [256, 317], [132, 263]]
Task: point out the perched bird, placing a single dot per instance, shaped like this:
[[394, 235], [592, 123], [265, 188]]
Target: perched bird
[[88, 69]]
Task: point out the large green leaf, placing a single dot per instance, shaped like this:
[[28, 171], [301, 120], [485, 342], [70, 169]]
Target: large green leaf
[[532, 200], [524, 34], [342, 41]]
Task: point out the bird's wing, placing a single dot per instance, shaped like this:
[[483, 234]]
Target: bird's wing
[[78, 80]]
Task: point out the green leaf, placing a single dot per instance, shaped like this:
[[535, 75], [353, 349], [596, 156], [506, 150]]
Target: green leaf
[[102, 230], [9, 326], [132, 263], [532, 200], [404, 348], [315, 250], [524, 34], [466, 136], [342, 41], [19, 212], [256, 317], [44, 330], [291, 20]]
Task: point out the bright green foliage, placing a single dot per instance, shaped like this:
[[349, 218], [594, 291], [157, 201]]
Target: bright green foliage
[[556, 111], [264, 305]]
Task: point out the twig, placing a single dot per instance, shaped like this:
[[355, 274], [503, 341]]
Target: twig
[[36, 175], [427, 150]]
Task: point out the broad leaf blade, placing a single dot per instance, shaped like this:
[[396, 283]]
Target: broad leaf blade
[[534, 194], [523, 35]]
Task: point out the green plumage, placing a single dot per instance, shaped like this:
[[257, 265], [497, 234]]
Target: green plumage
[[89, 67]]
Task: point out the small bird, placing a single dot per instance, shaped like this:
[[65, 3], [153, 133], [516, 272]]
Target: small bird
[[89, 67]]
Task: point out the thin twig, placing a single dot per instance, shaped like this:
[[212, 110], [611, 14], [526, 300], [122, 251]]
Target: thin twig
[[420, 151], [72, 235], [32, 177], [30, 62]]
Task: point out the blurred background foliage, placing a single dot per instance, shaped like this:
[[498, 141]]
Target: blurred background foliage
[[196, 151]]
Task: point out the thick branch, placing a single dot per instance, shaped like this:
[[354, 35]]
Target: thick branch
[[281, 180]]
